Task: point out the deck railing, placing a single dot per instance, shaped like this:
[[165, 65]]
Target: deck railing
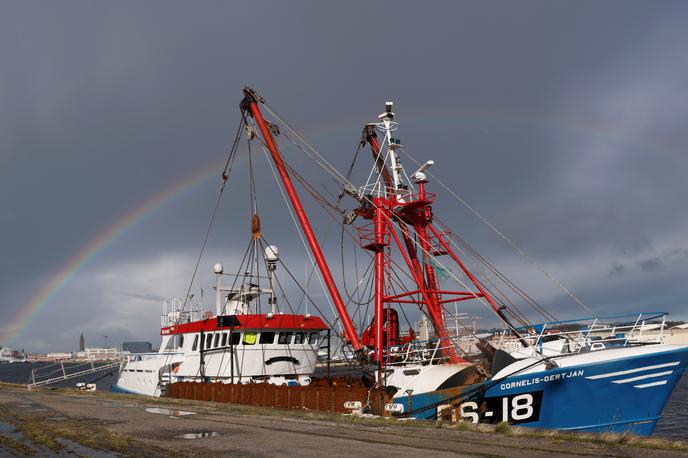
[[546, 340], [588, 334]]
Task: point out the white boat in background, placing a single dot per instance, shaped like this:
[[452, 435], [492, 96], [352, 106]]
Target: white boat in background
[[237, 344]]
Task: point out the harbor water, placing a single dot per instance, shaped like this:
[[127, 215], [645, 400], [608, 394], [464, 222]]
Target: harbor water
[[671, 425]]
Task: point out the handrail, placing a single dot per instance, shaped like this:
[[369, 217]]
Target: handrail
[[597, 335], [653, 315], [70, 375]]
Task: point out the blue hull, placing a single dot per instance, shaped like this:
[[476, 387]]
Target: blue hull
[[621, 395]]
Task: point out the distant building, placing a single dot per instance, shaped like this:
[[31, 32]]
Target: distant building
[[58, 356], [98, 354], [82, 344], [137, 347]]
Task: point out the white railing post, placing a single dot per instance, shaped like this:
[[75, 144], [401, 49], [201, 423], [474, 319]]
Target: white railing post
[[437, 346], [633, 328]]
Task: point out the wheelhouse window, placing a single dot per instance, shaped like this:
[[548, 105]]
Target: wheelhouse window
[[267, 337], [208, 340], [224, 339], [235, 338], [169, 343], [298, 338], [195, 343], [284, 338], [249, 338], [216, 342], [314, 338]]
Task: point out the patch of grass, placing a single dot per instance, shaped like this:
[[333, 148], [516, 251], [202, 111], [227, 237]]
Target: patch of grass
[[503, 428], [463, 426], [84, 434], [34, 431], [16, 446]]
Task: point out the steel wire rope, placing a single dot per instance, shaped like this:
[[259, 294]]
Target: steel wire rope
[[319, 160], [303, 332], [304, 292], [509, 283], [514, 314], [401, 285], [491, 287], [291, 214], [226, 173], [246, 259], [503, 236], [405, 230], [308, 296], [336, 175], [323, 201], [342, 264], [319, 198]]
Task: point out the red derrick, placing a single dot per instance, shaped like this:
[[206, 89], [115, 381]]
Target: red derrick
[[250, 104]]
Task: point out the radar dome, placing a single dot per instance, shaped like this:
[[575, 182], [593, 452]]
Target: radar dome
[[271, 253]]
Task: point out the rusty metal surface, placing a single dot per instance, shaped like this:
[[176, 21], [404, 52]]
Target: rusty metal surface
[[317, 396]]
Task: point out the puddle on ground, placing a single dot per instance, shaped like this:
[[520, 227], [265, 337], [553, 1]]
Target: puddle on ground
[[170, 412], [112, 404], [10, 430], [25, 404], [200, 435], [58, 418]]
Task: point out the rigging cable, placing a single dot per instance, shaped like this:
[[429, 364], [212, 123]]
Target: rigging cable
[[502, 236], [338, 177], [225, 177]]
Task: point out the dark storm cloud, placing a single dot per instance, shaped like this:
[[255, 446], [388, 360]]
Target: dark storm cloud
[[563, 123]]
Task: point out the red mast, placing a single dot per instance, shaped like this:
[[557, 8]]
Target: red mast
[[250, 105], [407, 210], [384, 208]]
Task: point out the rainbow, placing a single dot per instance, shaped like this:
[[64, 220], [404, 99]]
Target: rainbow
[[69, 269], [96, 245], [11, 332]]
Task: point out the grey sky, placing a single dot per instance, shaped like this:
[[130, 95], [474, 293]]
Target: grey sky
[[563, 123]]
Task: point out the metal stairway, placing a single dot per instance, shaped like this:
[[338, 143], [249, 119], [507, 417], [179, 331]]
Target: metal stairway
[[59, 372]]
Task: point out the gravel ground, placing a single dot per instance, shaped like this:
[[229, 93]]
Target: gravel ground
[[106, 424]]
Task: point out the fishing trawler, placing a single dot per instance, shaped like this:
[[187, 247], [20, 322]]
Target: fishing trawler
[[237, 344], [600, 374]]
